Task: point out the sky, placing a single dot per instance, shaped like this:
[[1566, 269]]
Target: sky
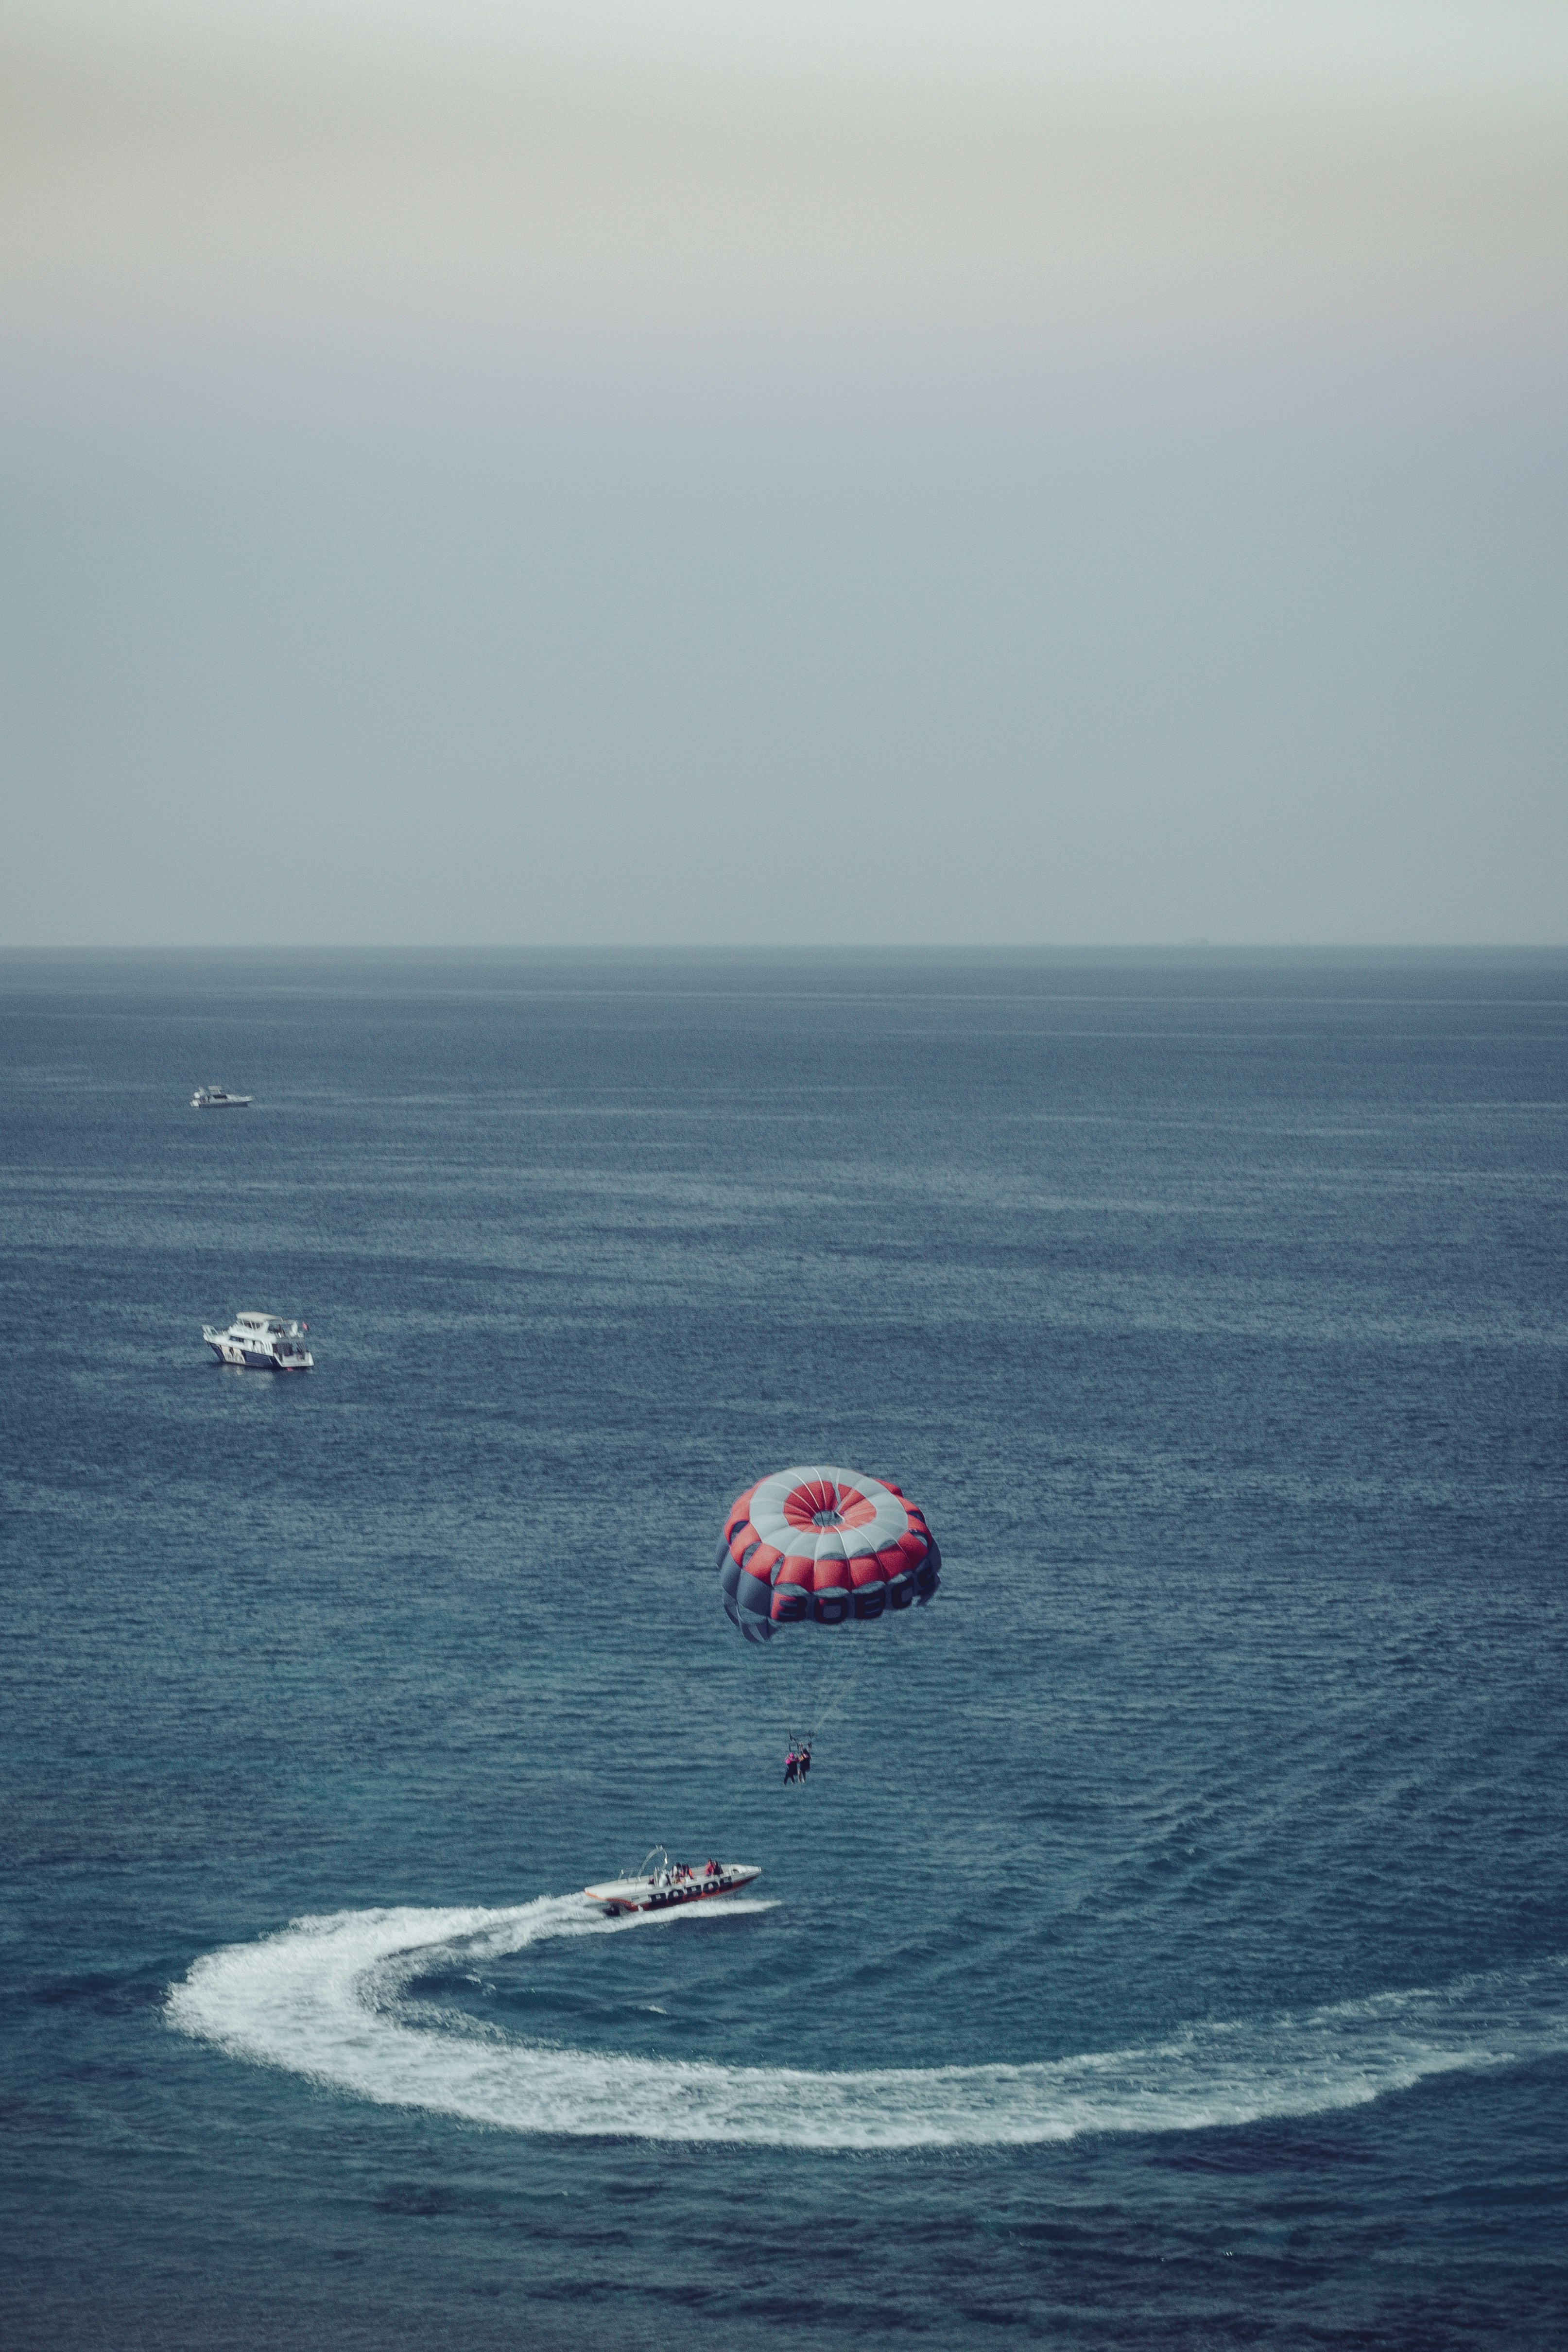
[[660, 472]]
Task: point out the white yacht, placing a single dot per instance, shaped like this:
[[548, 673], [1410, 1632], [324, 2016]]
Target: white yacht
[[218, 1099], [265, 1342], [660, 1884]]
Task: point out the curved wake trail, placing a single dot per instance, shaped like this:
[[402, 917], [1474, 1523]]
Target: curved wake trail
[[324, 1998]]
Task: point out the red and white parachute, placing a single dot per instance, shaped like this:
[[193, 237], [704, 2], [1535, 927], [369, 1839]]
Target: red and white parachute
[[823, 1546]]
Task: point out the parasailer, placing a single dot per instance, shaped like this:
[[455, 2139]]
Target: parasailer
[[817, 1549]]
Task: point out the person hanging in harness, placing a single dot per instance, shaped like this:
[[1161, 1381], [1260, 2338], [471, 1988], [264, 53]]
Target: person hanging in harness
[[791, 1765], [803, 1761]]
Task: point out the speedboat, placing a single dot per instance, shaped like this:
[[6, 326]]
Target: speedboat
[[216, 1099], [265, 1342], [660, 1884]]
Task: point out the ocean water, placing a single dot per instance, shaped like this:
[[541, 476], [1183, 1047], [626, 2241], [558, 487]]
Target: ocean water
[[1171, 1945]]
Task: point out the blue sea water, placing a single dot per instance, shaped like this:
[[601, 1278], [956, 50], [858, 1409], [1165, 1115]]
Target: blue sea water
[[1171, 1945]]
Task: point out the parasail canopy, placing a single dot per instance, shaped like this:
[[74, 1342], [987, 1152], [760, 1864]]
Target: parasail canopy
[[823, 1546]]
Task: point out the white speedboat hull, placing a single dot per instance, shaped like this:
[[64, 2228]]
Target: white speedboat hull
[[618, 1897]]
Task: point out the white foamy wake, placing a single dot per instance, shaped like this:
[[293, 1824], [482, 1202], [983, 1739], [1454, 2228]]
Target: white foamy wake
[[325, 1998]]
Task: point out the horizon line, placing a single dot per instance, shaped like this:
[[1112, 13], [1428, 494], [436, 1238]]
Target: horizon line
[[792, 947]]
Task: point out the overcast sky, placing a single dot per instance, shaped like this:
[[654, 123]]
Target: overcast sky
[[674, 472]]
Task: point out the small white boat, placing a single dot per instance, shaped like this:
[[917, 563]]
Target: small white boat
[[660, 1884], [216, 1099], [265, 1342]]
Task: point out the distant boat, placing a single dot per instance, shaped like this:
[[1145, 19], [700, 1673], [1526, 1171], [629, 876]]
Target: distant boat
[[265, 1342], [218, 1098]]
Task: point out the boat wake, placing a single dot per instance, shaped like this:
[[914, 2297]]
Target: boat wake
[[328, 1999]]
